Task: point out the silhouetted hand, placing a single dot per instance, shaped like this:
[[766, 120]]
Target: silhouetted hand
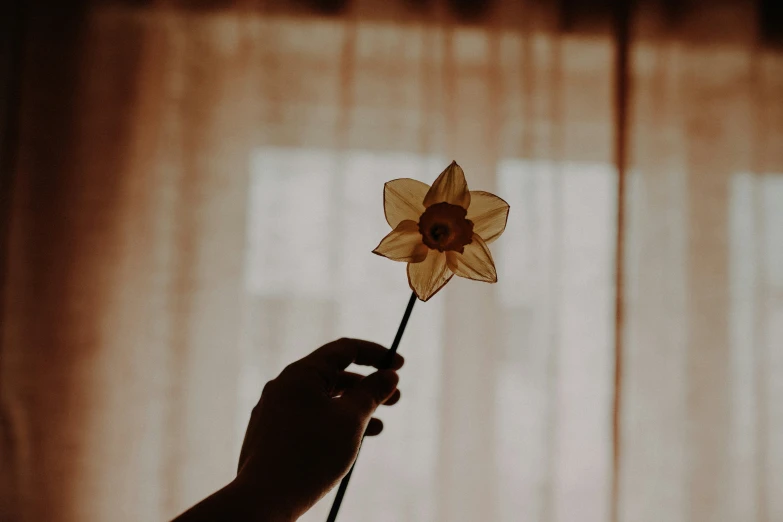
[[304, 433]]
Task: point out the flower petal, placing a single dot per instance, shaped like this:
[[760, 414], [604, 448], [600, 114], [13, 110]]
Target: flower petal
[[403, 244], [403, 199], [450, 187], [429, 276], [475, 263], [489, 215]]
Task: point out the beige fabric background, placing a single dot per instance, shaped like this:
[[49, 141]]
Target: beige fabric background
[[198, 192]]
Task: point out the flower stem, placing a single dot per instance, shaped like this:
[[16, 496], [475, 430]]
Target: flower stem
[[338, 499], [400, 331]]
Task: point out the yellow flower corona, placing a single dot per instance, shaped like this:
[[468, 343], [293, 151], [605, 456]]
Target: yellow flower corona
[[441, 230]]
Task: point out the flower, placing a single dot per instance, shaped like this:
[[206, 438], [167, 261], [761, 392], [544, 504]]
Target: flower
[[441, 230]]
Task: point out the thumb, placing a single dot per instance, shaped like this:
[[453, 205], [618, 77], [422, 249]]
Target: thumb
[[371, 391]]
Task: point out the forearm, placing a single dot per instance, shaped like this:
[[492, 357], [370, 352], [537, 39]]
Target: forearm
[[234, 503]]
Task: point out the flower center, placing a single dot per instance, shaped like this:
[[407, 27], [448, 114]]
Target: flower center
[[439, 231], [444, 227]]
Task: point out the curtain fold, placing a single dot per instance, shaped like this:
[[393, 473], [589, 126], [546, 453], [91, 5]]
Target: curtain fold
[[696, 422], [198, 191]]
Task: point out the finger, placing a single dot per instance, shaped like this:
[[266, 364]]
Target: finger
[[374, 427], [372, 391], [341, 353], [346, 380], [395, 397]]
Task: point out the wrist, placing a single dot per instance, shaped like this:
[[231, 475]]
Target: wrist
[[238, 503], [258, 503]]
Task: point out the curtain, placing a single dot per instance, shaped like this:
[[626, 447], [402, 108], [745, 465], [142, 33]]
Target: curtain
[[198, 188], [701, 434]]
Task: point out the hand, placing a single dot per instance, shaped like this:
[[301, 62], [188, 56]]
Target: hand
[[304, 433]]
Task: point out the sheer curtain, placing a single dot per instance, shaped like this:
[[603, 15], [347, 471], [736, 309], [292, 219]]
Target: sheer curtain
[[198, 191], [702, 433]]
